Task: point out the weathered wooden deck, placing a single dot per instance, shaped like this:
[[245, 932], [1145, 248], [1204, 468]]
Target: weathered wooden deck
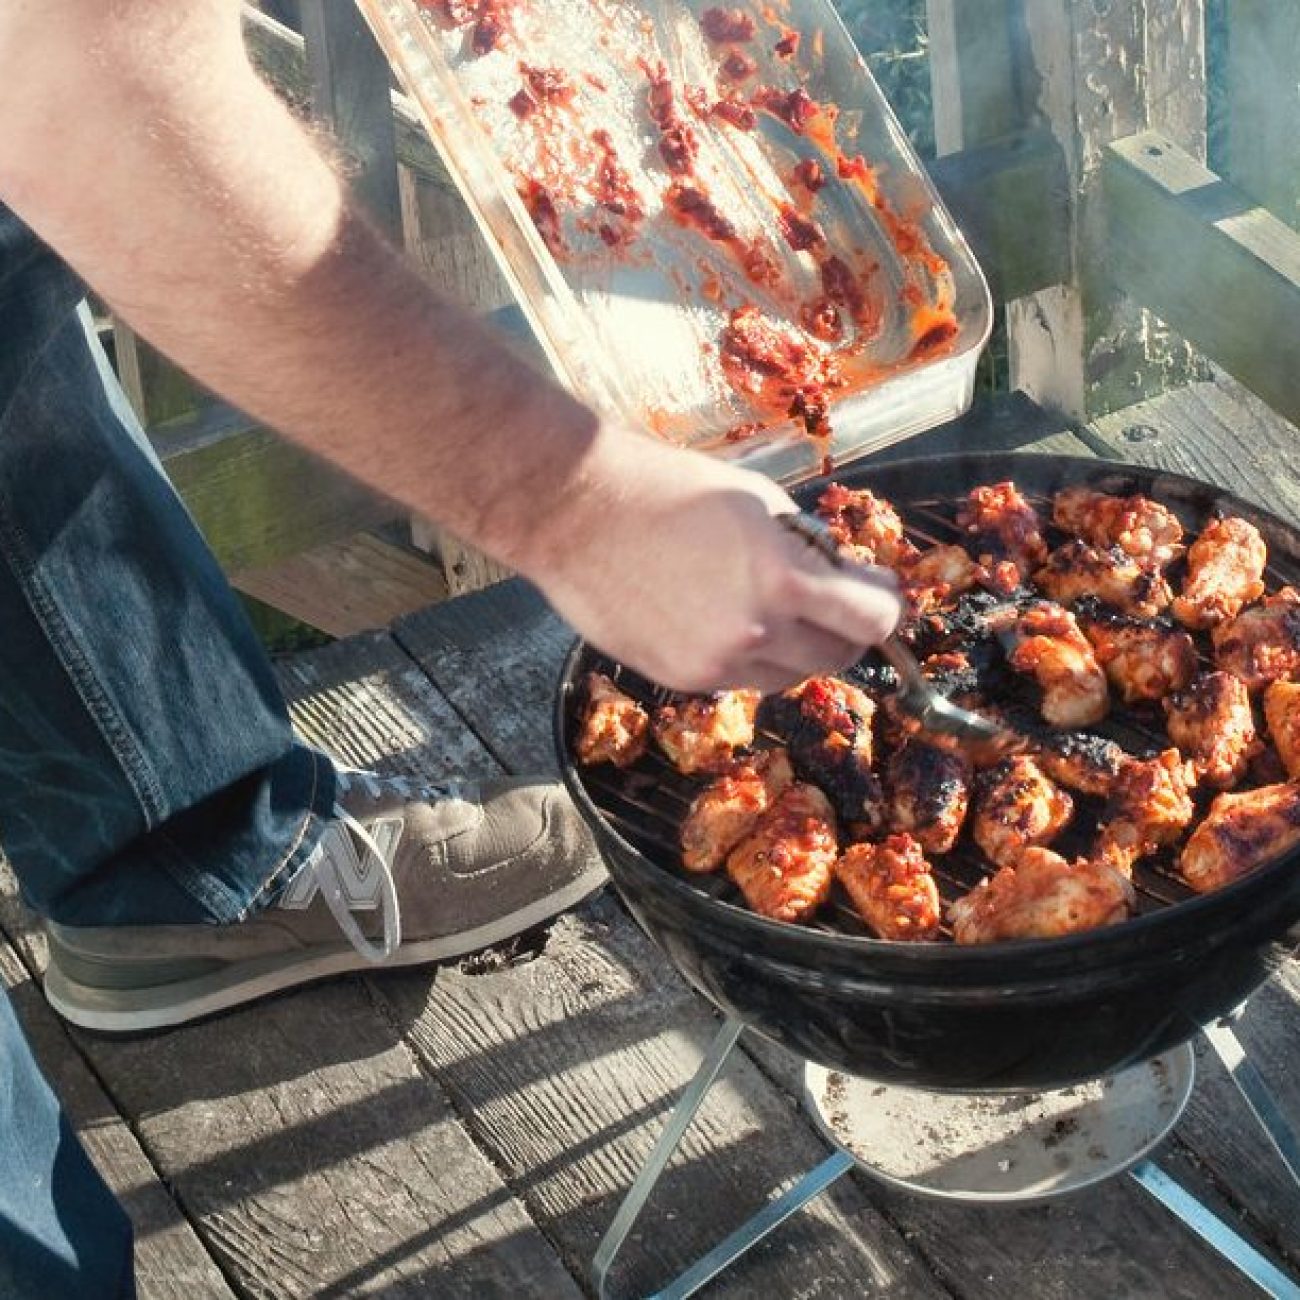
[[469, 1131]]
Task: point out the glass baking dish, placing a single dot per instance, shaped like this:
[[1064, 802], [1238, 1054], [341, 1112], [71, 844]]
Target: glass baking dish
[[710, 216]]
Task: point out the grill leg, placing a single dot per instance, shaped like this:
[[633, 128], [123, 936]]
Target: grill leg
[[748, 1234], [1212, 1230]]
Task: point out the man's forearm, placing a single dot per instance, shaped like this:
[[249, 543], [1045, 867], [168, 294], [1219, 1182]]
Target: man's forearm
[[178, 185]]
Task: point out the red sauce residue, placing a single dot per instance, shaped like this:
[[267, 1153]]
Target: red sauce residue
[[841, 286], [690, 206], [489, 19], [935, 326], [735, 113], [777, 367], [548, 85], [800, 232], [678, 144], [859, 171], [522, 105], [821, 318], [738, 66], [788, 46], [727, 25], [613, 188], [808, 173], [760, 266], [546, 217]]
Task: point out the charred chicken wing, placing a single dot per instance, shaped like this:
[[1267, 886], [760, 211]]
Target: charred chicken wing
[[727, 809], [928, 791], [826, 724], [1140, 527], [1017, 806], [1144, 659], [891, 888], [614, 726], [865, 524], [1282, 712], [1225, 570], [1002, 525], [1080, 760], [1212, 725], [784, 867], [1262, 644], [1039, 895], [706, 732], [1076, 570], [1241, 831], [1150, 806], [1052, 648]]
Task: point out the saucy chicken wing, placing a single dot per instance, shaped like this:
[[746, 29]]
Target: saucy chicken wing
[[934, 576], [614, 728], [1144, 659], [728, 808], [1077, 570], [928, 792], [785, 865], [1050, 645], [891, 888], [867, 525], [1150, 806], [1039, 895], [1225, 570], [1001, 525], [1146, 530], [1016, 807], [1282, 713], [1242, 831], [1212, 724], [826, 725], [706, 732], [1262, 644], [1079, 760]]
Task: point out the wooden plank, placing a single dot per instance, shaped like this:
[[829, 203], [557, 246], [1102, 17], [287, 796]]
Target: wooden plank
[[1263, 104], [353, 585], [974, 77], [170, 1260], [236, 478], [1011, 198], [1216, 431], [1213, 264], [350, 95], [1081, 349], [565, 1066], [301, 1135]]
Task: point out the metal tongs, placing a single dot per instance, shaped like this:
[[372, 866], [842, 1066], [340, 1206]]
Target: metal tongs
[[917, 696]]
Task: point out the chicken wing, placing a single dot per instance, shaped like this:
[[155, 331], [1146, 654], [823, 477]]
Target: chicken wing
[[891, 888], [1225, 570], [1080, 760], [706, 732], [785, 865], [928, 791], [826, 724], [1282, 713], [865, 524], [934, 576], [1150, 806], [1242, 831], [1052, 648], [1146, 530], [1212, 724], [1016, 807], [1262, 644], [614, 727], [1002, 525], [1076, 570], [1039, 895], [1144, 659], [729, 808]]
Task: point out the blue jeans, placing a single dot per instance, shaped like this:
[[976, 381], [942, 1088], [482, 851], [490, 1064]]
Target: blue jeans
[[148, 772]]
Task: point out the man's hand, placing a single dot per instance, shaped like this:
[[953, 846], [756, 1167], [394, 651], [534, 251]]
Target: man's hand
[[672, 563]]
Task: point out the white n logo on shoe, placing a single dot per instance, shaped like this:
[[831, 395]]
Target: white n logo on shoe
[[335, 859]]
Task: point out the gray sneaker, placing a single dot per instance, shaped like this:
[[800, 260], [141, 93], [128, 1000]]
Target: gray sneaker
[[404, 875]]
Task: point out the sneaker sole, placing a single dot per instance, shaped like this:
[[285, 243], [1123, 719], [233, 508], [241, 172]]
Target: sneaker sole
[[162, 1006]]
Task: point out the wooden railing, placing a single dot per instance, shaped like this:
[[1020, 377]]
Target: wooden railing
[[1072, 143]]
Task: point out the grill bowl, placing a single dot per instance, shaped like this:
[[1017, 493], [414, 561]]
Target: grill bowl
[[1007, 1017]]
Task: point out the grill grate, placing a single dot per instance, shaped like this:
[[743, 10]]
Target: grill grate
[[647, 802]]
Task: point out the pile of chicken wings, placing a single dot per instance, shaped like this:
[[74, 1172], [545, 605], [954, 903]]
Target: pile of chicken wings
[[832, 782]]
